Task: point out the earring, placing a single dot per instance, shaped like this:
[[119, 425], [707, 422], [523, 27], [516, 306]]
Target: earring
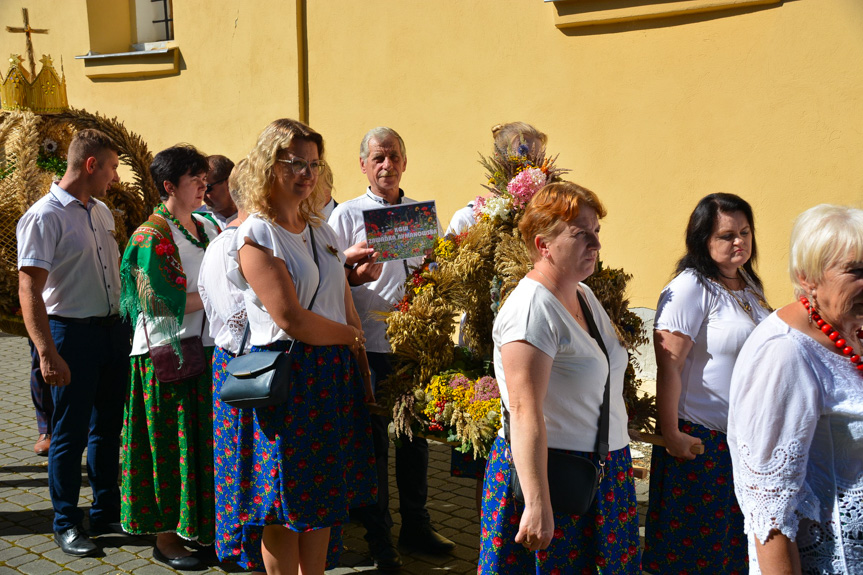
[[813, 305]]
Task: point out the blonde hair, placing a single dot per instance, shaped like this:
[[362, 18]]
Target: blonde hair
[[823, 237], [235, 182], [257, 178], [550, 208], [508, 137]]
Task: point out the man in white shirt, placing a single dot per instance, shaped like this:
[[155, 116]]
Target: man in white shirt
[[69, 289], [375, 288]]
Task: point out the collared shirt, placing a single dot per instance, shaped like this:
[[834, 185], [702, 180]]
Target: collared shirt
[[76, 244], [220, 219], [380, 295], [328, 209]]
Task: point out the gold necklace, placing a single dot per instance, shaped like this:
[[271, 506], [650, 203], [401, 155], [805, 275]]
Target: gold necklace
[[557, 293], [741, 302]]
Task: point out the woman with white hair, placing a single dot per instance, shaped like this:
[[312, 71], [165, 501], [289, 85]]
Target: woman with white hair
[[795, 424]]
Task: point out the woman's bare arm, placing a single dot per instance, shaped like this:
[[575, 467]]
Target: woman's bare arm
[[527, 372], [671, 349]]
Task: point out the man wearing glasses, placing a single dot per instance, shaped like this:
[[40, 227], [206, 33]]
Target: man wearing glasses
[[217, 198], [375, 288]]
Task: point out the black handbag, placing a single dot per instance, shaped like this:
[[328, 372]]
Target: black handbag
[[265, 377], [572, 479], [166, 363]]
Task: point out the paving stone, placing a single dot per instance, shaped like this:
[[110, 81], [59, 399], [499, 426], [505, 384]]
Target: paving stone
[[10, 552], [130, 566], [118, 557], [39, 567], [26, 513], [153, 569], [101, 568]]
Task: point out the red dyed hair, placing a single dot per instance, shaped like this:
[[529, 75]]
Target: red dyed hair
[[550, 208]]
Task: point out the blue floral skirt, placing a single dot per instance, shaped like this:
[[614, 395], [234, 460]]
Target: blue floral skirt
[[301, 464], [604, 540], [694, 524]]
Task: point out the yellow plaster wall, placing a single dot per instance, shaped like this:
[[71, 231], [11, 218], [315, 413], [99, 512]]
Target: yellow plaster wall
[[238, 70], [766, 103]]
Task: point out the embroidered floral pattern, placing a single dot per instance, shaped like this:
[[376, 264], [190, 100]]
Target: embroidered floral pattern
[[235, 542], [301, 464], [605, 540], [167, 455], [694, 524]]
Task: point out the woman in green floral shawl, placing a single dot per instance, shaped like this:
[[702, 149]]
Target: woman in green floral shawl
[[167, 469]]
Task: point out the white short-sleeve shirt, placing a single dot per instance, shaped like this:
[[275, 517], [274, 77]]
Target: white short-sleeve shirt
[[461, 220], [76, 244], [576, 386], [718, 326], [223, 301], [193, 323], [296, 251], [795, 432]]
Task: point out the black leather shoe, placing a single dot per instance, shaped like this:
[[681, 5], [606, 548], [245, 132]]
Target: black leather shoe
[[74, 541], [424, 539], [188, 563], [385, 555], [99, 529]]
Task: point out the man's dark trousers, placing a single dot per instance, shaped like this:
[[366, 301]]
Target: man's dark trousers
[[412, 459], [88, 413]]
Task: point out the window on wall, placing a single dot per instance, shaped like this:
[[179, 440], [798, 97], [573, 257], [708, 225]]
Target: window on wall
[[131, 39], [153, 21], [573, 13]]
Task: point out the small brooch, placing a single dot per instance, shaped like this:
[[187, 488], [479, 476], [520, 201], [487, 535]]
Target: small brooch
[[333, 251]]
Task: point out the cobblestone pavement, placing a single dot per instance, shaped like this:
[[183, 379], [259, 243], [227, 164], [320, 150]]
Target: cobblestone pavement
[[26, 540]]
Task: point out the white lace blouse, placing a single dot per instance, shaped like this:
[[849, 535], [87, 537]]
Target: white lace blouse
[[223, 301], [795, 430]]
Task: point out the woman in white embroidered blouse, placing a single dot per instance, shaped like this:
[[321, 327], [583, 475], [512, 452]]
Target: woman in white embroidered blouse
[[703, 318], [796, 416]]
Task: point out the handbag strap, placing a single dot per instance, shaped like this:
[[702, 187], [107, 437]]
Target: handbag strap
[[604, 416], [311, 303]]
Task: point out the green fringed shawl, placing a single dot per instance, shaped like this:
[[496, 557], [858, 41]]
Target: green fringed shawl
[[152, 280]]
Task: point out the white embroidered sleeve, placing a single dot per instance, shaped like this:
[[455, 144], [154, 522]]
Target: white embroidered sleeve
[[236, 324], [773, 413]]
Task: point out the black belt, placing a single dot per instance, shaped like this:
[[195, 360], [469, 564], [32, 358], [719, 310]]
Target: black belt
[[104, 321]]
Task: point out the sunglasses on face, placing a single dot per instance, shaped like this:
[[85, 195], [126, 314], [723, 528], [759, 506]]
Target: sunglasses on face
[[211, 186]]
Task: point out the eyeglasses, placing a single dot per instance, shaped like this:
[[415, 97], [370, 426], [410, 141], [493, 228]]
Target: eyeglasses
[[299, 166], [211, 186]]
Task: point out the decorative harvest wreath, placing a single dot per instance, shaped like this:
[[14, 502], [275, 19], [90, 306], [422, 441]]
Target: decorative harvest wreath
[[33, 150], [448, 392]]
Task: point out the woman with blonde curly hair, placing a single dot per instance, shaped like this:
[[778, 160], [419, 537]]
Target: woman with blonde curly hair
[[301, 464]]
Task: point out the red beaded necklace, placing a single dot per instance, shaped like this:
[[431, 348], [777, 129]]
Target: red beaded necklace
[[834, 336]]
